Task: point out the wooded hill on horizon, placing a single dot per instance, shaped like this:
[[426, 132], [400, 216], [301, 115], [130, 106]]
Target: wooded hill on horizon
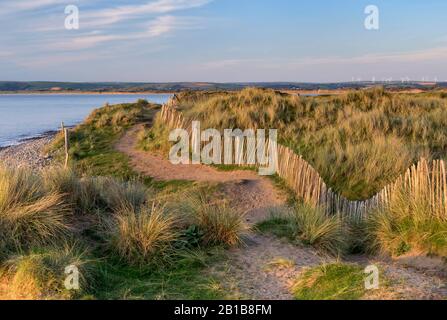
[[13, 86]]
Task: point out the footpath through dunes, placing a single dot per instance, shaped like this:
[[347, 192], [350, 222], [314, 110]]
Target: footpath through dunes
[[162, 169], [266, 267], [251, 193]]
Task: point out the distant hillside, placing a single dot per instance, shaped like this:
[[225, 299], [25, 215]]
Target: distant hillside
[[10, 86]]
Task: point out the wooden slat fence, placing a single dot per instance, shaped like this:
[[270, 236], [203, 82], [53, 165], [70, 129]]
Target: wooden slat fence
[[425, 180]]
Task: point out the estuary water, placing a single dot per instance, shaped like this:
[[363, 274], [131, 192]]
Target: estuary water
[[25, 116]]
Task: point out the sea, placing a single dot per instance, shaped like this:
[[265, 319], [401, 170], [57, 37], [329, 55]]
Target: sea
[[28, 116]]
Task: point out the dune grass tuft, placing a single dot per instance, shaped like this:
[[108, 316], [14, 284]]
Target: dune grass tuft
[[117, 194], [314, 227], [141, 237], [218, 223], [29, 214], [309, 226], [330, 282], [41, 273], [408, 225]]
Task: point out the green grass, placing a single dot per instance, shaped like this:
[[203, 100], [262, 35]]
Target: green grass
[[155, 139], [281, 185], [227, 167], [330, 282], [185, 280], [308, 226], [407, 225], [92, 143], [170, 186], [278, 226]]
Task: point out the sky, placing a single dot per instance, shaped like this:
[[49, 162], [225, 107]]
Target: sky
[[223, 40]]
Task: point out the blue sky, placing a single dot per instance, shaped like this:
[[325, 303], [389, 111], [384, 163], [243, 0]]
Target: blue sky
[[223, 40]]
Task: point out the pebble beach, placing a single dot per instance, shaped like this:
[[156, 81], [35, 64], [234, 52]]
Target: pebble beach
[[30, 153]]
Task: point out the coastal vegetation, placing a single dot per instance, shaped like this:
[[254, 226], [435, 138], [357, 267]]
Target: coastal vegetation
[[359, 143], [91, 142], [125, 233], [409, 225], [308, 226], [132, 237], [342, 137], [335, 281], [107, 228]]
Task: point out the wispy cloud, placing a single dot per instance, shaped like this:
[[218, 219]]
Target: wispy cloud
[[27, 5], [108, 23], [122, 13], [158, 27]]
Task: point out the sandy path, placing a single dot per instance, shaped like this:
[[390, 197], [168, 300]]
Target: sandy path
[[266, 267], [253, 194], [160, 168]]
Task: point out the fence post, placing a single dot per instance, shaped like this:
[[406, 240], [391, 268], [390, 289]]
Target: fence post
[[67, 147]]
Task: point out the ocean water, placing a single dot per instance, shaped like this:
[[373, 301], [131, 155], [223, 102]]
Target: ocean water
[[24, 116]]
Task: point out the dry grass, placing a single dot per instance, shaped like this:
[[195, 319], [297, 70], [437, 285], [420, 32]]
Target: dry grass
[[156, 138], [279, 263], [29, 214], [142, 237], [342, 137], [94, 192], [408, 224], [116, 116], [40, 274], [61, 180], [220, 224], [314, 227], [308, 226], [118, 194], [364, 141]]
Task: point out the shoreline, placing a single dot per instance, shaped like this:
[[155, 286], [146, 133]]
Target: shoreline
[[29, 153], [42, 135], [83, 92], [160, 92]]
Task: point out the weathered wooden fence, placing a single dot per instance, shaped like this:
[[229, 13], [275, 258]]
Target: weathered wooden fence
[[425, 180]]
